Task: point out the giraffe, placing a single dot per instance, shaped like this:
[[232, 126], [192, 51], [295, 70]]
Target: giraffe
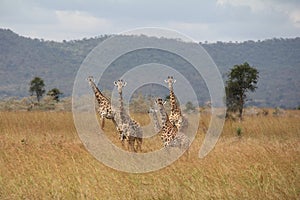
[[176, 116], [170, 135], [104, 109], [168, 130], [128, 128]]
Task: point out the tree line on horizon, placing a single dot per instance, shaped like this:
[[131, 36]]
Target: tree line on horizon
[[241, 79]]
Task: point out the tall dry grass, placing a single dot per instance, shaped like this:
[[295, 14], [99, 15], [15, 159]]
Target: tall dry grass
[[41, 157]]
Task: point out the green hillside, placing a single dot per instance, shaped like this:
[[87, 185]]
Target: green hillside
[[21, 59], [278, 61]]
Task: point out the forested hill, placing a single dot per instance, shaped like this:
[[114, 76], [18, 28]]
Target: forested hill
[[278, 61]]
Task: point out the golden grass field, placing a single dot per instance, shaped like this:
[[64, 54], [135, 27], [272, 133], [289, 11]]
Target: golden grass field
[[41, 157]]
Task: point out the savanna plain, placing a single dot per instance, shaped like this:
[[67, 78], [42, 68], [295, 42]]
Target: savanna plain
[[42, 157]]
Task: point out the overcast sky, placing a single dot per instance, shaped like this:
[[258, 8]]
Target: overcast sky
[[202, 20]]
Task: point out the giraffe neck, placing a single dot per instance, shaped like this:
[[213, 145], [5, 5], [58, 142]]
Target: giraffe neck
[[172, 99], [174, 107], [156, 123], [155, 120], [122, 111], [98, 94]]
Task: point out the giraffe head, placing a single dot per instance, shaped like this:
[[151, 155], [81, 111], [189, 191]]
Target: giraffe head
[[91, 80], [120, 84], [170, 81], [159, 102]]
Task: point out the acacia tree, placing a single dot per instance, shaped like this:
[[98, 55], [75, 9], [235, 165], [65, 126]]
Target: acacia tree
[[189, 107], [37, 86], [241, 79], [55, 94]]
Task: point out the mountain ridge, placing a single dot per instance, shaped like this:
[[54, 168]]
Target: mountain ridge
[[22, 58]]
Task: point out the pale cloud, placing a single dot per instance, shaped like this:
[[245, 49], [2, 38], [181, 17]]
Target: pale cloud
[[24, 12], [190, 26], [201, 20], [295, 17], [74, 24], [254, 5], [290, 9], [194, 30], [65, 25], [78, 21]]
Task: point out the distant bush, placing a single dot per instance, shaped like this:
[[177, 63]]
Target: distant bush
[[265, 112], [239, 131], [278, 111], [189, 107], [138, 104], [55, 94], [28, 104]]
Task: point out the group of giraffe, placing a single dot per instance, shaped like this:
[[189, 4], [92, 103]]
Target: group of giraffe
[[171, 129]]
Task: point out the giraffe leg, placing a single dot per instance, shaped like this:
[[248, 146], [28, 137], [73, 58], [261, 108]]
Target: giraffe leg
[[131, 144], [102, 122], [139, 144], [186, 146], [168, 152]]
